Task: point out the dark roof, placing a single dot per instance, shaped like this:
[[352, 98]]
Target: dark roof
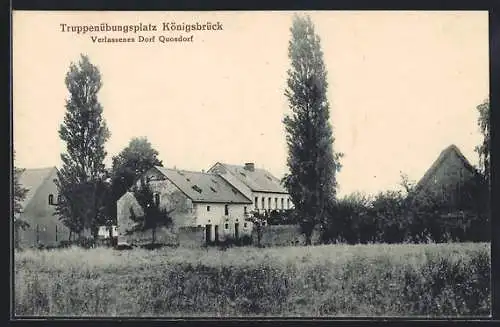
[[204, 187], [439, 161], [259, 180], [32, 179]]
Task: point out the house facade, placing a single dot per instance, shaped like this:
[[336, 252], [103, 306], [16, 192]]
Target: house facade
[[38, 209], [446, 178], [195, 199], [266, 191]]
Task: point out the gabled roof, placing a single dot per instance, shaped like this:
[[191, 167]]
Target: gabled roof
[[204, 187], [32, 179], [258, 180], [440, 161]]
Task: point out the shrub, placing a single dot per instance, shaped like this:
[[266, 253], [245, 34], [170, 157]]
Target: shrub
[[285, 217], [390, 217]]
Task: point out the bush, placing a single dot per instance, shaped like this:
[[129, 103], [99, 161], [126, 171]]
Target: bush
[[86, 242], [390, 217], [285, 217]]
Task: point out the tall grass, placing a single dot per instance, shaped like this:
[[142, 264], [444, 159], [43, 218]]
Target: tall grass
[[332, 280]]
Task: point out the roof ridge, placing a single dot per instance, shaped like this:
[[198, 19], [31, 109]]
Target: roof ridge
[[257, 184], [434, 166], [187, 171], [255, 168], [463, 158], [234, 188], [185, 188], [179, 188], [439, 160], [37, 188]]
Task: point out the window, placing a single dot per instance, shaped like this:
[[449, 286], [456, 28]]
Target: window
[[226, 210], [256, 203], [208, 208], [245, 225], [157, 199], [226, 226], [196, 188], [269, 203], [263, 203], [275, 203], [288, 203], [244, 210], [213, 190], [51, 199], [282, 203]]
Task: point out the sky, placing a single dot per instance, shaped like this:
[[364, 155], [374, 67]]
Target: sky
[[402, 87]]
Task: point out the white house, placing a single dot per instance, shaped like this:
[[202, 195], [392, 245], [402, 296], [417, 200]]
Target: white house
[[196, 198], [265, 190]]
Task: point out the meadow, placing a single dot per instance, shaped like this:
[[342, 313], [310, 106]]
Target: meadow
[[425, 280]]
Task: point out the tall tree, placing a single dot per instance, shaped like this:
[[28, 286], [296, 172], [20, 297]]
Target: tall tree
[[84, 130], [19, 194], [311, 160], [154, 215], [484, 148]]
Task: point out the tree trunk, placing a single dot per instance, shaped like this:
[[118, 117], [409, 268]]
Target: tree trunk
[[259, 235], [308, 238], [111, 236]]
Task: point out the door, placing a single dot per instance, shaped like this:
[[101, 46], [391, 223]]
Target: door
[[236, 231], [208, 233], [216, 233]]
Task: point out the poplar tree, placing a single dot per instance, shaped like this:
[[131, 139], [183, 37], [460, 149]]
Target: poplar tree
[[81, 180], [311, 160]]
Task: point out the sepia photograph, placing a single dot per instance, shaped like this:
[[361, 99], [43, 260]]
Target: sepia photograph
[[251, 164]]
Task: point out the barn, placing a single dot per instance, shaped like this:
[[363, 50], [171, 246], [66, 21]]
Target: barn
[[196, 199]]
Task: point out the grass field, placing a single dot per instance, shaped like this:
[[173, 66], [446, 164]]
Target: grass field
[[433, 280]]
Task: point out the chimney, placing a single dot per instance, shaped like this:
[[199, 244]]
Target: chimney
[[250, 166]]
